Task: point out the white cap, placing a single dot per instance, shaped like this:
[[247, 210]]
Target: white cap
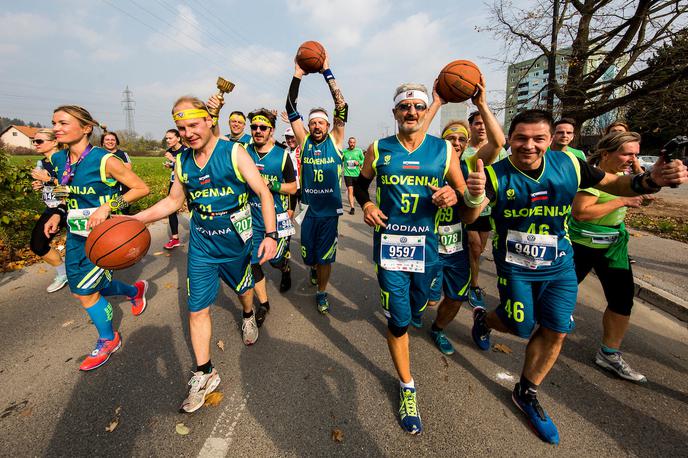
[[289, 132]]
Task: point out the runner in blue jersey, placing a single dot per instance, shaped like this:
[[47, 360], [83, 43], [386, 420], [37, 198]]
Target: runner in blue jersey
[[454, 278], [411, 170], [277, 171], [237, 124], [321, 169], [92, 176], [531, 195], [215, 177], [175, 148]]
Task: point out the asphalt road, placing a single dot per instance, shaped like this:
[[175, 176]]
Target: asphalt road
[[309, 375]]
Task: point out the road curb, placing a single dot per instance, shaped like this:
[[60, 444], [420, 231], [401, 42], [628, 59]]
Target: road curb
[[664, 300]]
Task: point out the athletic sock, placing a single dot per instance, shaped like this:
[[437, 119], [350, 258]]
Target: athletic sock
[[61, 269], [265, 304], [410, 384], [247, 314], [436, 328], [206, 368], [528, 389], [101, 315], [117, 288], [608, 351]]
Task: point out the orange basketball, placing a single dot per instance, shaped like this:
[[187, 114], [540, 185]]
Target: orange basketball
[[458, 81], [118, 243], [311, 56]]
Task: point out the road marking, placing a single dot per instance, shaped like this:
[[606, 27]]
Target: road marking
[[217, 444]]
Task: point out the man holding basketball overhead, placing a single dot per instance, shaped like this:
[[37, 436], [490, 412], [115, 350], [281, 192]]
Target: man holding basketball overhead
[[215, 176], [321, 168], [410, 168]]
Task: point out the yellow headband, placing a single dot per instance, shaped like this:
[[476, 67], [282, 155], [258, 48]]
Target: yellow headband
[[262, 118], [455, 129], [237, 117], [191, 113]]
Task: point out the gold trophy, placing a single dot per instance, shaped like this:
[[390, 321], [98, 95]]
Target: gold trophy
[[223, 86]]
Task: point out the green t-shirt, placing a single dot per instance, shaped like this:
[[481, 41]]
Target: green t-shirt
[[470, 152], [576, 152], [350, 158]]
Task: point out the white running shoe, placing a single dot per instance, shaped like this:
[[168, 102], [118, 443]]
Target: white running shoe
[[249, 329], [58, 283], [200, 385], [615, 363]]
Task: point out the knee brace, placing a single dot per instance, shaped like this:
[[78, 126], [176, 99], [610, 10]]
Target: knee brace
[[257, 272], [397, 331]]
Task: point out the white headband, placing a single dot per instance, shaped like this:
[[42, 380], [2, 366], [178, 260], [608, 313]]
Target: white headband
[[318, 114], [408, 95]]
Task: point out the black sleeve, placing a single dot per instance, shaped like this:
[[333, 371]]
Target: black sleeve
[[489, 190], [361, 186], [293, 95], [288, 171], [589, 175]]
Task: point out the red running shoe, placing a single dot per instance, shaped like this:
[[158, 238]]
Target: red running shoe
[[100, 355], [173, 243], [138, 302]]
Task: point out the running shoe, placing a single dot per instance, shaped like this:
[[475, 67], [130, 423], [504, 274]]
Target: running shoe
[[314, 277], [285, 282], [476, 297], [101, 354], [261, 314], [615, 363], [173, 243], [408, 411], [442, 343], [138, 302], [417, 321], [200, 386], [323, 304], [543, 426], [480, 331], [58, 283], [249, 330]]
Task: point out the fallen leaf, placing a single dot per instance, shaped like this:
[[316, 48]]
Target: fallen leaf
[[113, 424], [67, 323], [213, 399], [502, 348], [26, 412], [221, 345], [158, 253], [118, 410], [42, 270], [337, 435], [182, 429], [169, 285]]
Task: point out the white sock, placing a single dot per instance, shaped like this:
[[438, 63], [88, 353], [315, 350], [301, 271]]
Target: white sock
[[61, 270], [410, 384]]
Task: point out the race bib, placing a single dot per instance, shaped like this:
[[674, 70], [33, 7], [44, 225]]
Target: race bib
[[284, 226], [49, 197], [530, 250], [404, 253], [351, 164], [77, 219], [451, 239], [242, 223]]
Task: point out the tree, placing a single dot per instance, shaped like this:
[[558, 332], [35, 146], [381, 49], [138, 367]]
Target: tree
[[663, 116], [616, 36]]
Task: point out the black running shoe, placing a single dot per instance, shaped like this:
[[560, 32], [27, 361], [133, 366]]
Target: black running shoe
[[285, 283]]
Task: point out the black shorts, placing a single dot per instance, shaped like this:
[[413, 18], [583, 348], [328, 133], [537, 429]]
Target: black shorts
[[482, 224], [349, 181]]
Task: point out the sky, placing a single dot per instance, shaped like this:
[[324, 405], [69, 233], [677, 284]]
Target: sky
[[85, 52]]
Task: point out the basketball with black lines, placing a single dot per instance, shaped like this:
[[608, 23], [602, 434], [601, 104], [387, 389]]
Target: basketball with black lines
[[118, 243], [458, 81], [311, 56]]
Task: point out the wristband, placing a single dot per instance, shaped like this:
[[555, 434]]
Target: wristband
[[272, 235], [275, 186], [471, 201], [118, 203], [327, 73], [294, 116], [342, 113]]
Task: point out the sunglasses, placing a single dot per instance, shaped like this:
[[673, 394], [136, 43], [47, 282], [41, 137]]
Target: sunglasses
[[261, 128], [37, 142], [407, 106]]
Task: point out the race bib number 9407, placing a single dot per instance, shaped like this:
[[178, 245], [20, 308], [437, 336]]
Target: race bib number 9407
[[530, 250]]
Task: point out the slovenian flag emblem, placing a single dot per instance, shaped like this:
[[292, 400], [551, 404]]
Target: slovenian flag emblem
[[415, 165], [537, 196]]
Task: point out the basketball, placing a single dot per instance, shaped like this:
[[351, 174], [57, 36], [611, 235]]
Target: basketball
[[118, 243], [458, 81], [311, 56]]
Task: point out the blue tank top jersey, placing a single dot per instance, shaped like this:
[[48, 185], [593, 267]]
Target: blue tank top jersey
[[529, 217], [270, 168], [216, 187], [90, 187], [403, 191], [321, 171]]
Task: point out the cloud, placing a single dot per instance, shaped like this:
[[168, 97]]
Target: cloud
[[186, 29], [257, 59], [19, 28]]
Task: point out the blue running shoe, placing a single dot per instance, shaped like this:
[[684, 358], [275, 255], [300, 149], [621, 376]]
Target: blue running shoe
[[408, 411], [543, 426], [442, 342], [480, 331], [314, 277], [417, 321], [321, 300], [476, 297]]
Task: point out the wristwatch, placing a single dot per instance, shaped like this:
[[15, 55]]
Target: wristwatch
[[272, 235]]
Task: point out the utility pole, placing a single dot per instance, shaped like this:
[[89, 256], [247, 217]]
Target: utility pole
[[552, 61], [128, 107]]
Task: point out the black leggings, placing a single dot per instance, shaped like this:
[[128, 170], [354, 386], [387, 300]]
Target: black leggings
[[174, 221], [40, 244], [617, 284]]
